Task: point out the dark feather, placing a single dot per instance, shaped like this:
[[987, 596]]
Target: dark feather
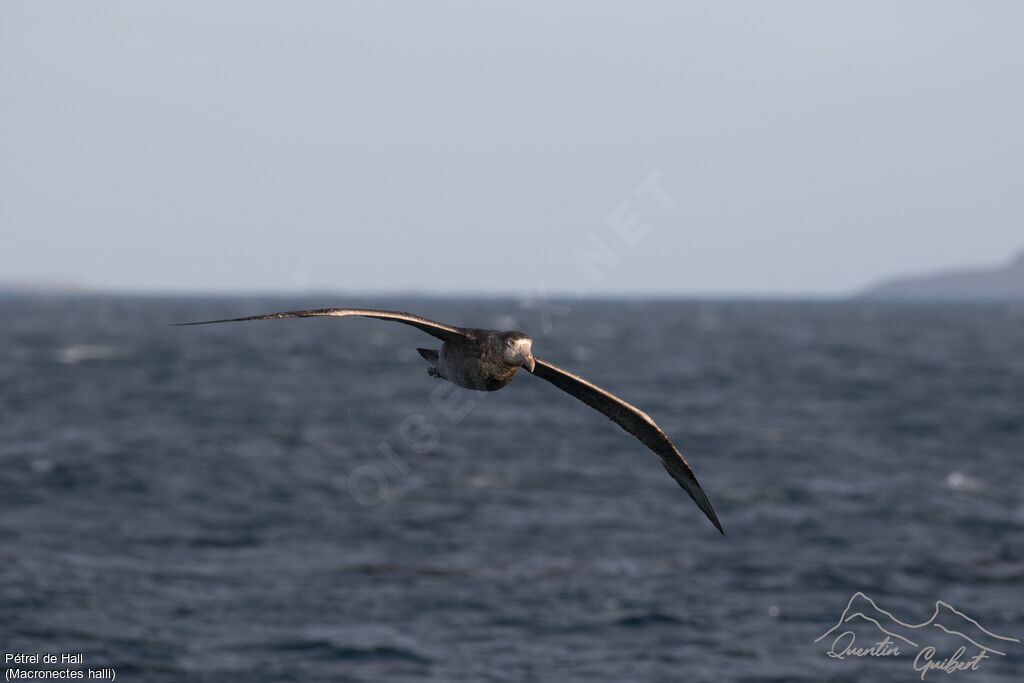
[[436, 329], [637, 423]]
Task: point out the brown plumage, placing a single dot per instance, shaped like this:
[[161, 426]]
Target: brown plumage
[[487, 360]]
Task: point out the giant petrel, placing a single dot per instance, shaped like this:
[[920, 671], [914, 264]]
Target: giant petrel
[[487, 360]]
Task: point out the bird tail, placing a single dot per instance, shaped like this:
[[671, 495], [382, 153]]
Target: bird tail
[[430, 355]]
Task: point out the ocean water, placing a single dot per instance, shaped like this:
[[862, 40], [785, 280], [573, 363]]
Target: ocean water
[[298, 501]]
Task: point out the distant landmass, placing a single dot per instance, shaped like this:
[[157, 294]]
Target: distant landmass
[[1004, 283]]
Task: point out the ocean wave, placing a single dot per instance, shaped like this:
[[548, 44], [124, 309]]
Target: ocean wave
[[78, 353]]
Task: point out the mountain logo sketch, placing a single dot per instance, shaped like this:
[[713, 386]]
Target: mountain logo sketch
[[945, 618]]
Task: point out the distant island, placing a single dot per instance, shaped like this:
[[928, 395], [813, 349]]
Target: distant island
[[1002, 283]]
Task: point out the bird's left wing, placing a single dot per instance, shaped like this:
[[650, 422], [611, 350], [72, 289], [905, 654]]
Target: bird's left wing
[[634, 421], [436, 329]]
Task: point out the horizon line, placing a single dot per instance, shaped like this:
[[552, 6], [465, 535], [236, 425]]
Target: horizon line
[[15, 289]]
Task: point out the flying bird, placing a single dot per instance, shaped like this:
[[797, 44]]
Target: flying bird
[[487, 360]]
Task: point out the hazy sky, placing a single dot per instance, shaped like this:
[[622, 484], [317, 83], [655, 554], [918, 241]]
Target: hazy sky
[[805, 147]]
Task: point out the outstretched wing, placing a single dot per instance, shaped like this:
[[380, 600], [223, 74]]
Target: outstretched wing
[[439, 330], [634, 421]]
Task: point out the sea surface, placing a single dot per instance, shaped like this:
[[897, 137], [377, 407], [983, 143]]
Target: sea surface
[[297, 500]]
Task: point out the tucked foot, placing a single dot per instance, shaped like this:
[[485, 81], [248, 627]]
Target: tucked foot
[[433, 372]]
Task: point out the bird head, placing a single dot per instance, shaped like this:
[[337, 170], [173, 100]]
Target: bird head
[[518, 350]]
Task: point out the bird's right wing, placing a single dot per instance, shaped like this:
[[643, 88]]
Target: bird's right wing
[[634, 421], [436, 329]]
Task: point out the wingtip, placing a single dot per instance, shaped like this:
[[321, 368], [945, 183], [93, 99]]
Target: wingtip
[[683, 475], [714, 520], [210, 322], [701, 499]]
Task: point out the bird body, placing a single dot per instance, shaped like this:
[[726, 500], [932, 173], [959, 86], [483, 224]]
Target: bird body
[[484, 360], [488, 360]]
